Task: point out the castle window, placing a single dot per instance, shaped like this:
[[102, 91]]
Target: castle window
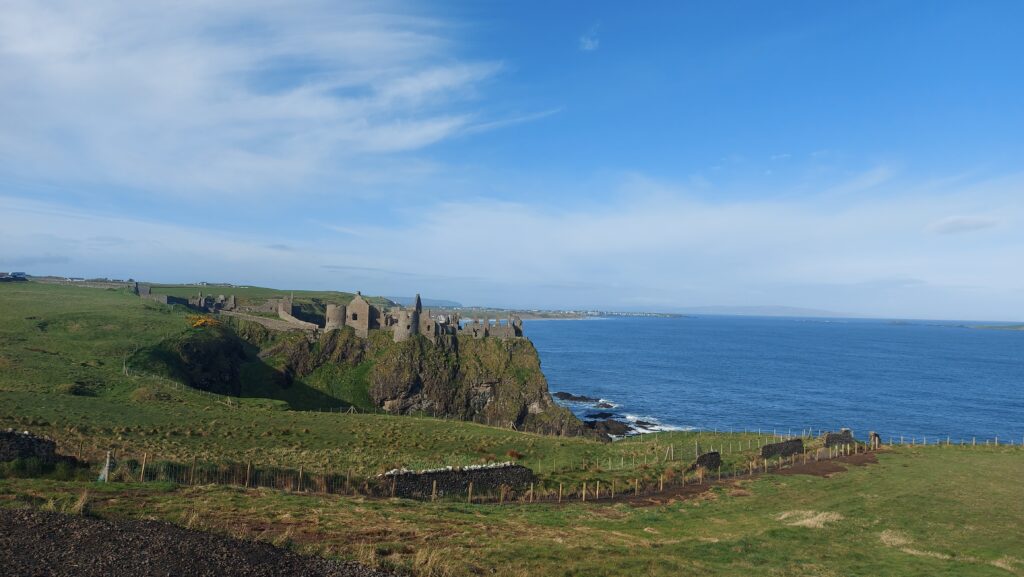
[[355, 316]]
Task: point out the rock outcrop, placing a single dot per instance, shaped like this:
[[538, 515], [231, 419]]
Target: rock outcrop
[[487, 380]]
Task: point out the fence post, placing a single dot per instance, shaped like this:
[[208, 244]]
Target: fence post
[[584, 491], [636, 487], [142, 473], [192, 473], [300, 479], [661, 483], [597, 493], [469, 498], [106, 478], [531, 492], [559, 492], [433, 491]]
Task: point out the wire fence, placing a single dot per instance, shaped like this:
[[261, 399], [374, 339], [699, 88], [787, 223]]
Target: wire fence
[[618, 481]]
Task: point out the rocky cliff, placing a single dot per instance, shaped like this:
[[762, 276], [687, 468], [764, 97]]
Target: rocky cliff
[[498, 382], [492, 381]]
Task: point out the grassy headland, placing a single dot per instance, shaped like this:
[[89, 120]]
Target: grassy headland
[[63, 352]]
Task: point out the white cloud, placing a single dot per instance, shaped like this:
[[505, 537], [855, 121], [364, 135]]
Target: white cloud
[[590, 41], [656, 246], [961, 224], [199, 98]]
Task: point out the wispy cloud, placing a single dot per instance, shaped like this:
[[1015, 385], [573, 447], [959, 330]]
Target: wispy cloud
[[590, 41], [962, 224], [654, 243], [192, 98]]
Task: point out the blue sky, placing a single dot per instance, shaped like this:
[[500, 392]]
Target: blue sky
[[858, 157]]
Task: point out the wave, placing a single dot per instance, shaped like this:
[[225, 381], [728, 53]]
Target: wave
[[652, 424]]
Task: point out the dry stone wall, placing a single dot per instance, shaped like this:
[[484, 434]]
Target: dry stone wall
[[17, 445], [415, 485], [782, 449], [843, 437], [710, 461]]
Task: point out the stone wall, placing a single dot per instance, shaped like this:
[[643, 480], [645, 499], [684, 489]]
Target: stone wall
[[414, 485], [15, 445], [843, 437], [710, 461], [783, 449]]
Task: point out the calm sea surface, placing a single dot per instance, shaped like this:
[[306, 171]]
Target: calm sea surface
[[917, 378]]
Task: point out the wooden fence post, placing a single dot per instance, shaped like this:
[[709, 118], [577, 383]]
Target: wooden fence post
[[300, 479], [192, 473], [433, 491], [469, 498], [661, 483], [636, 487], [248, 473], [142, 473], [559, 492], [584, 491]]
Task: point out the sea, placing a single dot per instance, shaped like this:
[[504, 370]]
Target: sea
[[928, 380]]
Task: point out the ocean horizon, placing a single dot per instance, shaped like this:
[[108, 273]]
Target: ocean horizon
[[920, 379]]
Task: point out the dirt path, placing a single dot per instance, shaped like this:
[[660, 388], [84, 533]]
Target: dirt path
[[37, 544], [676, 493]]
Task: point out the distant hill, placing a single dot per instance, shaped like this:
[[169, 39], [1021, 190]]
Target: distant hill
[[435, 303], [765, 311]]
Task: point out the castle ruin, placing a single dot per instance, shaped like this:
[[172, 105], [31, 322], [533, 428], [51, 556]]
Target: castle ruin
[[403, 323]]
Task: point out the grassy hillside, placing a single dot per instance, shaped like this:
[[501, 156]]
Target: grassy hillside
[[63, 352], [924, 511]]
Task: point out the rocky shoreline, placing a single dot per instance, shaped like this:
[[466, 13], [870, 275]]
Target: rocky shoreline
[[606, 421]]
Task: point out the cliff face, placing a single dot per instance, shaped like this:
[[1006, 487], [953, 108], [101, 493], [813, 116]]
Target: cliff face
[[498, 382], [492, 381]]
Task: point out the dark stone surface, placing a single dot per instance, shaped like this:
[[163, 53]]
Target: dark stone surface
[[17, 445], [36, 543], [843, 437], [563, 396], [609, 427], [604, 406], [710, 461], [783, 449], [414, 485], [600, 415]]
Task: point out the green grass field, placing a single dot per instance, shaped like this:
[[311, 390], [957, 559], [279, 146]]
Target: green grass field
[[918, 511]]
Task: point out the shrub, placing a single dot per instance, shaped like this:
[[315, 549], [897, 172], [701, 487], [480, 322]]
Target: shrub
[[146, 395], [77, 389]]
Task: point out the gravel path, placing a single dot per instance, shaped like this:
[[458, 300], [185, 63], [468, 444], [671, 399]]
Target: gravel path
[[37, 544]]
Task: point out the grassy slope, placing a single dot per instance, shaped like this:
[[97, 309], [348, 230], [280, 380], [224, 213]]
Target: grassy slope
[[958, 509], [920, 511]]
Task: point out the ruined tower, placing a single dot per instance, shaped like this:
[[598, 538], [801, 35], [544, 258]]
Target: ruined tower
[[335, 317], [358, 315]]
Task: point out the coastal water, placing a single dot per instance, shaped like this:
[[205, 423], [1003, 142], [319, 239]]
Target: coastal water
[[918, 379]]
